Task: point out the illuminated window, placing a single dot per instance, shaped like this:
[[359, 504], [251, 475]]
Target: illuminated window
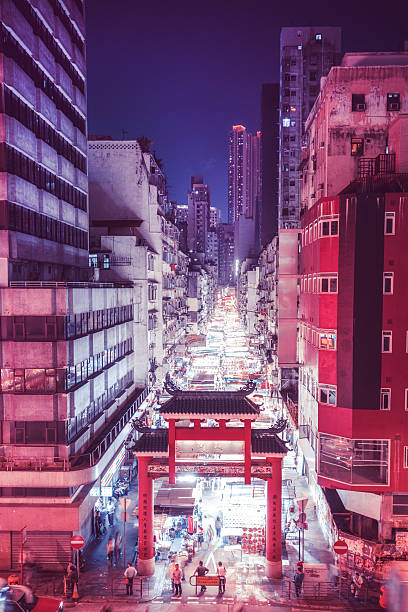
[[386, 342], [357, 147], [385, 399], [293, 109], [286, 122], [327, 341], [318, 37], [389, 224], [388, 283], [300, 47], [292, 123]]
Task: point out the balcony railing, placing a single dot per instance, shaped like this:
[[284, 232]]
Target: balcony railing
[[65, 284]]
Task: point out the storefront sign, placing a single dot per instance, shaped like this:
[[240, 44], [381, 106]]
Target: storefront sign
[[107, 477], [214, 470], [401, 541], [101, 492]]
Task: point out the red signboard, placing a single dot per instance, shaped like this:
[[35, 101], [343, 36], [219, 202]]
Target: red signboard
[[77, 542], [340, 547]]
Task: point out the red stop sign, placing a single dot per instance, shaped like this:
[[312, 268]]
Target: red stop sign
[[77, 542], [340, 547]]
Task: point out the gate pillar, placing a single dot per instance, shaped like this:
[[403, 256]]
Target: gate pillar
[[273, 567], [145, 564]]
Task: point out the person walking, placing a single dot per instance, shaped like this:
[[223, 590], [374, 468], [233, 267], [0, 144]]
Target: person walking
[[177, 575], [110, 547], [298, 579], [111, 512], [221, 572], [170, 570], [118, 547], [201, 571], [218, 525], [130, 574]]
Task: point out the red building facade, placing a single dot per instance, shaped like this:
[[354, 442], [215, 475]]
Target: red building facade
[[353, 348]]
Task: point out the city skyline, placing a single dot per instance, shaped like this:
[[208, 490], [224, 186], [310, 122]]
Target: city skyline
[[178, 120]]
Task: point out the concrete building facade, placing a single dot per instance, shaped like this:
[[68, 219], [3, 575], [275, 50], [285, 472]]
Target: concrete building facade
[[352, 319]]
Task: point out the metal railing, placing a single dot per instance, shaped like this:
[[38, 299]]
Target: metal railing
[[65, 284]]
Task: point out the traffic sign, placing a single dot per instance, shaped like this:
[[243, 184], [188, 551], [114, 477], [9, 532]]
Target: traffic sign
[[125, 517], [77, 542], [340, 547]]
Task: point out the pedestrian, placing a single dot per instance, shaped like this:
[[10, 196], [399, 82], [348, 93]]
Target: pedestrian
[[130, 574], [111, 511], [356, 584], [118, 547], [218, 525], [177, 575], [110, 547], [298, 579], [221, 572], [200, 536], [72, 577], [170, 570], [201, 571]]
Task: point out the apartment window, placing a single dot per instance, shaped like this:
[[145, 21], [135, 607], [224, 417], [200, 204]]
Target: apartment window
[[327, 395], [387, 342], [389, 224], [328, 284], [393, 102], [388, 283], [357, 147], [385, 399], [286, 122], [405, 458], [327, 340], [358, 102], [313, 75], [354, 461], [400, 502], [406, 399], [328, 227], [318, 37], [292, 93], [315, 230]]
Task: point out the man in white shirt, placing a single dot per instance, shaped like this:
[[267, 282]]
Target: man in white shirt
[[129, 574]]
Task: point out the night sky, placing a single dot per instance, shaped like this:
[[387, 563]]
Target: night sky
[[182, 72]]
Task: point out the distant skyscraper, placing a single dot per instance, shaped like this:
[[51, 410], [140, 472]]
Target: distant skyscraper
[[226, 255], [306, 54], [244, 190], [215, 217], [269, 162], [181, 222], [198, 215], [243, 173]]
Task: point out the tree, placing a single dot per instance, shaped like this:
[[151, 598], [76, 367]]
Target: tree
[[145, 143]]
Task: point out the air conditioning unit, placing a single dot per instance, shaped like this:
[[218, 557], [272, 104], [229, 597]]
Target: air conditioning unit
[[361, 107], [394, 106]]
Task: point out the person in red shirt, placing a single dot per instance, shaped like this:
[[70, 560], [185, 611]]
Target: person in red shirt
[[177, 575]]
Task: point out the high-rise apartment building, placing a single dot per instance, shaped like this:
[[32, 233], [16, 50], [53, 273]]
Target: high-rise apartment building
[[306, 55], [226, 276], [269, 162], [353, 294], [244, 189], [181, 218], [66, 344], [198, 221]]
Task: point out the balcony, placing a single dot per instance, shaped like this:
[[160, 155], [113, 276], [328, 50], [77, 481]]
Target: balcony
[[80, 469], [376, 166]]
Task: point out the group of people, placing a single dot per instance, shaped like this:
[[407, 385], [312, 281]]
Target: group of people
[[176, 577], [114, 549]]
